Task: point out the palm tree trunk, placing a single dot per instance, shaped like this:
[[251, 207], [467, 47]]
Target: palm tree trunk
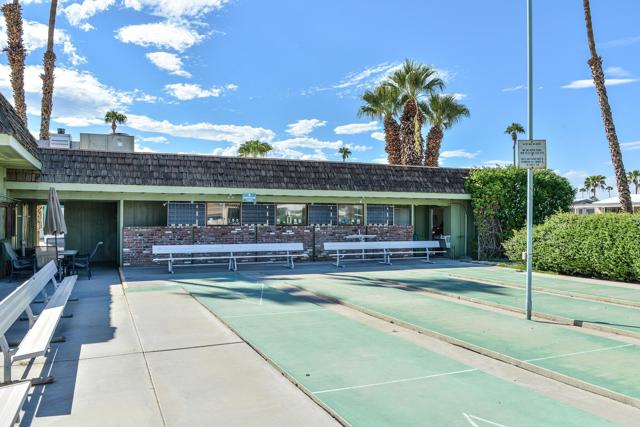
[[514, 137], [113, 127], [434, 141], [15, 55], [392, 141], [595, 63], [407, 131], [418, 142], [47, 76]]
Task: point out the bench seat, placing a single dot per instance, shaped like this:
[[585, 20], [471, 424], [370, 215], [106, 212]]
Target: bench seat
[[384, 248], [12, 398]]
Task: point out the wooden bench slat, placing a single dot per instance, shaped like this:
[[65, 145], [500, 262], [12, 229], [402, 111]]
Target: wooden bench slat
[[12, 398]]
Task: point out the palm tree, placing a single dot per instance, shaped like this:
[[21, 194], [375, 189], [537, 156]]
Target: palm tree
[[254, 148], [384, 102], [634, 178], [514, 129], [15, 55], [442, 112], [595, 182], [595, 63], [582, 191], [608, 189], [115, 118], [414, 82], [49, 63], [345, 152]]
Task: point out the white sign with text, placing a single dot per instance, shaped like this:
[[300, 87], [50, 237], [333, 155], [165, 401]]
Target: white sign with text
[[532, 154]]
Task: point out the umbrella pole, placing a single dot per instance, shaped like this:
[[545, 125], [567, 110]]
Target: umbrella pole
[[55, 239]]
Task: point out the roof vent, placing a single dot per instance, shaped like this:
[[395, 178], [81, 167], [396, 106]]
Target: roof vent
[[61, 131]]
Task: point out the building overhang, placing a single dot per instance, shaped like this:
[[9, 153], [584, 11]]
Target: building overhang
[[15, 156]]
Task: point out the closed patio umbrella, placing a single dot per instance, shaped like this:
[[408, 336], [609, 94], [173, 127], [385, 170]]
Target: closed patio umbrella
[[54, 223]]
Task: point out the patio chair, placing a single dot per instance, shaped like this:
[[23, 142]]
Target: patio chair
[[44, 254], [83, 262], [18, 264]]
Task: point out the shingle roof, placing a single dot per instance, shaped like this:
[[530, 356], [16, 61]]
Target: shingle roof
[[11, 124], [97, 167]]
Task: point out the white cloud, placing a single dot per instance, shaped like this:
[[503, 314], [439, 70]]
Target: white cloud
[[189, 91], [458, 96], [494, 163], [625, 41], [155, 139], [587, 83], [78, 13], [169, 62], [167, 34], [356, 128], [306, 142], [358, 148], [632, 145], [514, 88], [574, 174], [35, 37], [230, 151], [378, 135], [236, 134], [381, 161], [617, 72], [459, 154], [304, 126], [176, 9], [141, 149]]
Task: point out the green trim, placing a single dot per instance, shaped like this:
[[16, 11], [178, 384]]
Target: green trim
[[28, 161]]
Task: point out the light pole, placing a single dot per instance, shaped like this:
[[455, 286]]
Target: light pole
[[529, 304]]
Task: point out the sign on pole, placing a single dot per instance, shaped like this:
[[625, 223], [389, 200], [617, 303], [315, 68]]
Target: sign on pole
[[532, 154], [249, 198]]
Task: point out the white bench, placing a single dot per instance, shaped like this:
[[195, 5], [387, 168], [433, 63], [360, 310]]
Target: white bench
[[12, 398], [41, 327], [386, 249], [230, 251]]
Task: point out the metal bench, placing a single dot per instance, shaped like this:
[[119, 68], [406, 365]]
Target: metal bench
[[12, 398], [386, 249], [41, 327], [231, 252]]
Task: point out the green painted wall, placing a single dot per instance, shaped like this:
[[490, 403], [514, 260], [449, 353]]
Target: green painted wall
[[89, 222], [144, 214]]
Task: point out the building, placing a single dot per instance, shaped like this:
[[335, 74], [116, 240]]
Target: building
[[612, 204], [583, 207], [131, 201]]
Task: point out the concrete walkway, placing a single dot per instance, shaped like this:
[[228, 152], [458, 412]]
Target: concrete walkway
[[155, 358]]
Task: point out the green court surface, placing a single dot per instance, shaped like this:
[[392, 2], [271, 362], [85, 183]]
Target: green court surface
[[622, 319], [588, 288], [367, 376], [604, 362]]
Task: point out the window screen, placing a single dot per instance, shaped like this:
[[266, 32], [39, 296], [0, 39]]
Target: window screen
[[350, 214], [379, 214], [323, 214], [291, 214], [223, 213], [182, 213], [402, 215], [260, 213]]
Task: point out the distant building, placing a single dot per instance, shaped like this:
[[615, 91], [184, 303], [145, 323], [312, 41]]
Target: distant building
[[612, 204], [583, 207], [119, 142]]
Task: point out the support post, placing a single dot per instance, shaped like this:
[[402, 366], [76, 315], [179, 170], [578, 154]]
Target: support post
[[528, 302]]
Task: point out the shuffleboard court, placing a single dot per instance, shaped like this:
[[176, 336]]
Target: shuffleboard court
[[366, 376], [592, 359]]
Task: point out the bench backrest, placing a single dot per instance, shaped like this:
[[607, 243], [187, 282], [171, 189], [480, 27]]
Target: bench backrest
[[226, 248], [408, 244], [17, 301]]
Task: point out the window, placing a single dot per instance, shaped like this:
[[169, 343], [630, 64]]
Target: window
[[323, 214], [260, 213], [291, 214], [402, 215], [185, 213], [379, 214], [350, 214], [223, 213]]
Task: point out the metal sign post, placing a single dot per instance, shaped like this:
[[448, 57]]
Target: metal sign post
[[529, 303]]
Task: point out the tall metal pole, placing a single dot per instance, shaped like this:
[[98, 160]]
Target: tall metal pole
[[529, 304]]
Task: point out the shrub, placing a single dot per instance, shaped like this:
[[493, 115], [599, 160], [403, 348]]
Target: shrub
[[499, 201], [604, 245]]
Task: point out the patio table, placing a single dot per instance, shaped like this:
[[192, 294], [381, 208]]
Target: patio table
[[71, 255]]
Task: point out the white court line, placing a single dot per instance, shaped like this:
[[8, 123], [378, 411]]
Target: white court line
[[274, 313], [579, 352], [472, 421], [424, 377]]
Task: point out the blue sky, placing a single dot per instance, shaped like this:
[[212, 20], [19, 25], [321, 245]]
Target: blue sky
[[202, 76]]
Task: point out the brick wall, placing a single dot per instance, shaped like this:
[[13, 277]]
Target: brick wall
[[138, 241]]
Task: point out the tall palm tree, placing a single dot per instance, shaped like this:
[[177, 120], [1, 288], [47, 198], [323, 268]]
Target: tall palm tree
[[49, 63], [582, 191], [15, 54], [595, 63], [514, 129], [414, 81], [593, 183], [344, 152], [442, 112], [115, 118], [254, 148], [608, 189], [384, 102], [634, 178]]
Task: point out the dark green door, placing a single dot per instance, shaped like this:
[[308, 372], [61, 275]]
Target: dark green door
[[89, 222]]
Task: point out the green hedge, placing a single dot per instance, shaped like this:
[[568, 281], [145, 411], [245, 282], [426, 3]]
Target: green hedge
[[603, 245]]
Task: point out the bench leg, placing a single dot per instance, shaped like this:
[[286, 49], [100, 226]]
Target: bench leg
[[427, 260], [4, 345], [42, 380]]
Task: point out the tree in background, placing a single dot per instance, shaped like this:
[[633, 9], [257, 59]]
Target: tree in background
[[15, 55], [49, 63], [115, 118], [608, 189], [593, 183], [384, 102], [344, 152], [582, 191], [254, 148], [442, 112], [414, 82], [634, 178], [514, 129], [595, 63]]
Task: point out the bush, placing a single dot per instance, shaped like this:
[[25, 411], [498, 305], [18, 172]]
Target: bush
[[499, 201], [603, 245]]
